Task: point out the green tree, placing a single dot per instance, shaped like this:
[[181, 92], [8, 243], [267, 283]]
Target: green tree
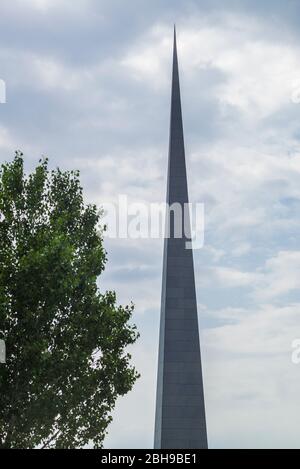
[[66, 342]]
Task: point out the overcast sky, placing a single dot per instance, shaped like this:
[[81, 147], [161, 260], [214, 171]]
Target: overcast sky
[[88, 84]]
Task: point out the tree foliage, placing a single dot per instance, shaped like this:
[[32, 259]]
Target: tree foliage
[[66, 342]]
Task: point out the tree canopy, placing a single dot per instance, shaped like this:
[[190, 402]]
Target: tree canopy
[[66, 342]]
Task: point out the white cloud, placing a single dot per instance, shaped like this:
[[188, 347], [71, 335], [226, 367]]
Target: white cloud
[[51, 74], [231, 278], [42, 4], [281, 275], [149, 59], [261, 76], [251, 384], [46, 5], [216, 254], [5, 139], [242, 249], [9, 143]]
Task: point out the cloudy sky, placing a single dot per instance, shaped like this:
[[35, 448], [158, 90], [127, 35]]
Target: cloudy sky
[[88, 84]]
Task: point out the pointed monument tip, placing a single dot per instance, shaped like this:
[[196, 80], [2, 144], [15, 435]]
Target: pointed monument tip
[[175, 39]]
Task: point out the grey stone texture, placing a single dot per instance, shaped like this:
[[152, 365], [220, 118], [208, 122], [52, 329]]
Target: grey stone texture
[[180, 411]]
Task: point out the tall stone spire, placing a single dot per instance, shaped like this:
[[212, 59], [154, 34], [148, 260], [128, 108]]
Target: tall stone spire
[[180, 412]]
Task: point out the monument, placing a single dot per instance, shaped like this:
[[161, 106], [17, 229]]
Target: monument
[[180, 412]]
